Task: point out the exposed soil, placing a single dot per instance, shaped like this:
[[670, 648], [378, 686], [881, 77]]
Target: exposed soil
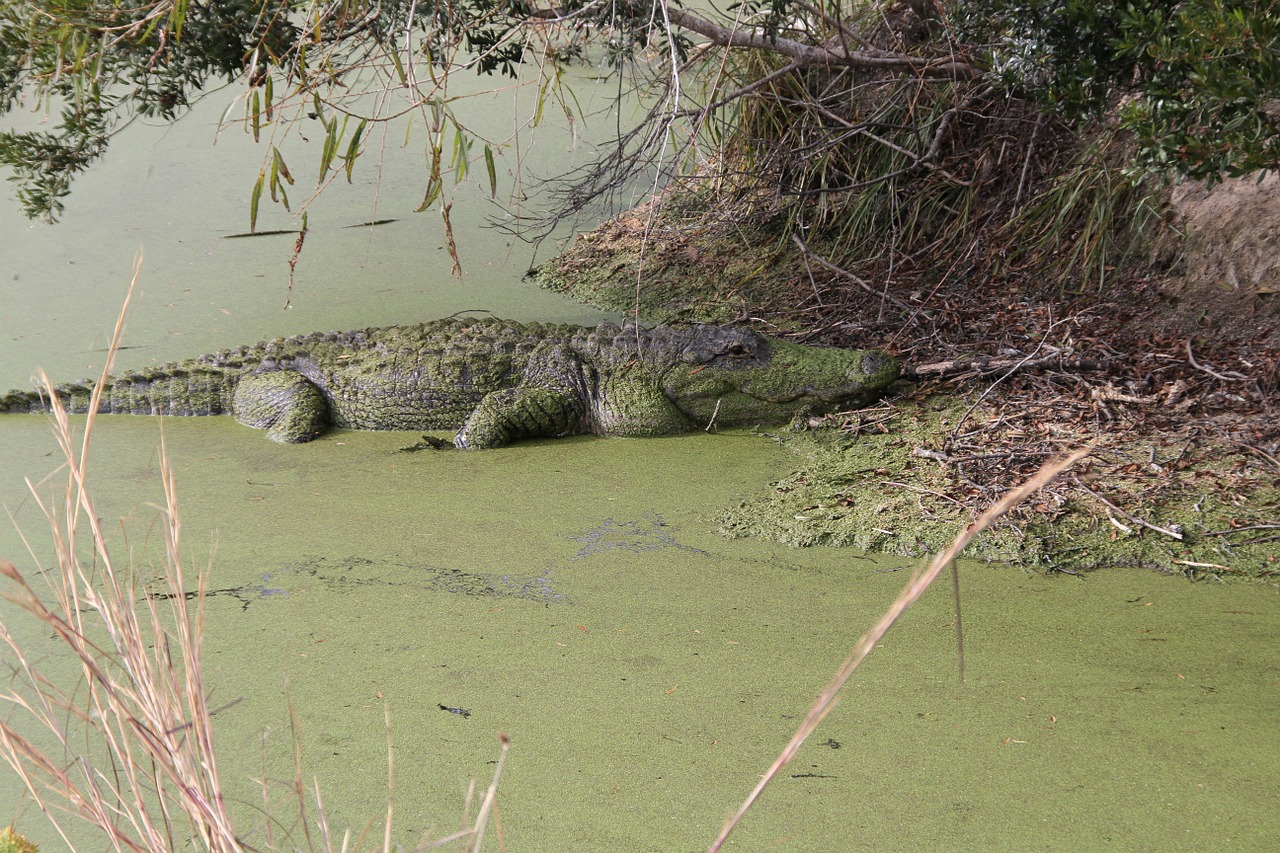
[[1171, 370]]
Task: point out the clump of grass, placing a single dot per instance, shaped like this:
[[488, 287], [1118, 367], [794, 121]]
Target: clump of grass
[[1088, 220], [12, 842], [139, 696]]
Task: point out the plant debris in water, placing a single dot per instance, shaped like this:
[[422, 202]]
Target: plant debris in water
[[900, 478]]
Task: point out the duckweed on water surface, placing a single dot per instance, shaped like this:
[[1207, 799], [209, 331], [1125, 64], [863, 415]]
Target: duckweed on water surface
[[1118, 711]]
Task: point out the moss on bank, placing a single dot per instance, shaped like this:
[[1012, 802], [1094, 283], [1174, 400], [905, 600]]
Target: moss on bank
[[892, 491], [681, 267]]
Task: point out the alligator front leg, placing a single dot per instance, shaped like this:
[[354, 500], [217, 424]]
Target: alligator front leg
[[284, 403], [525, 412]]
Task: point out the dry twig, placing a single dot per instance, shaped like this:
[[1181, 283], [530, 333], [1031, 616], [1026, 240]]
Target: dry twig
[[914, 589]]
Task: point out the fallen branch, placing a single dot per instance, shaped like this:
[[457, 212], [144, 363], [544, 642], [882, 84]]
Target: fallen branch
[[830, 54], [1232, 376], [985, 365], [1158, 529], [825, 264]]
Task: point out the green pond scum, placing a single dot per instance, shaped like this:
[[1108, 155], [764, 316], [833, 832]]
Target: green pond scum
[[668, 665]]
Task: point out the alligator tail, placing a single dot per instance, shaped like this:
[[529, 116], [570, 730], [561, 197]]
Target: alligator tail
[[204, 390], [18, 402]]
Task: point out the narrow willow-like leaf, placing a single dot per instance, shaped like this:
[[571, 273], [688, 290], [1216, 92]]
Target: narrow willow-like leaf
[[573, 96], [430, 64], [395, 59], [461, 149], [353, 149], [542, 101], [143, 39], [222, 122], [280, 164], [275, 177], [255, 117], [434, 184], [177, 17], [493, 171], [329, 149], [269, 98], [81, 45], [433, 192], [254, 198], [99, 58]]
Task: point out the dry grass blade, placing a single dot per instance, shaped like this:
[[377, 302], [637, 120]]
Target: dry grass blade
[[473, 836], [151, 780], [914, 589], [482, 819], [123, 740], [391, 778]]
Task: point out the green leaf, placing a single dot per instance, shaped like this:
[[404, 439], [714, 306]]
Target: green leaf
[[177, 17], [353, 149], [278, 159], [332, 138], [395, 59], [433, 192], [254, 198], [461, 147], [493, 171]]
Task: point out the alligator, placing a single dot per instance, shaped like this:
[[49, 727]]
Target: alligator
[[496, 381]]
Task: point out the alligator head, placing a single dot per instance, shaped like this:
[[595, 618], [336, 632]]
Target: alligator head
[[734, 377]]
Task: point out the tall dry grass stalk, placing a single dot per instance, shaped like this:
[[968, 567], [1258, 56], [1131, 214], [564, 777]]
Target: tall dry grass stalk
[[125, 745], [138, 708], [915, 588]]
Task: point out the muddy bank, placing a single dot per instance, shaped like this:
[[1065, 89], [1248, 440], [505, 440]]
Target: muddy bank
[[1170, 372]]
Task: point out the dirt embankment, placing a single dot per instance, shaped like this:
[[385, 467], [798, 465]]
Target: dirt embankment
[[1171, 370]]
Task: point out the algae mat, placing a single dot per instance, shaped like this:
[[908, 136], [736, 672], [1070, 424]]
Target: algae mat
[[573, 595]]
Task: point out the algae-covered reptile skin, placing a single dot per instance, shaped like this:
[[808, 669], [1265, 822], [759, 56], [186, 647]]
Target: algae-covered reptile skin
[[497, 381]]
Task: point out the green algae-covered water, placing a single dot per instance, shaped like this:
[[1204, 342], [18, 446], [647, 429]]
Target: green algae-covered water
[[574, 594], [571, 594]]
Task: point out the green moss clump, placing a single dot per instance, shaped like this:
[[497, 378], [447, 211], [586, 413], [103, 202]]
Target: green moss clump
[[12, 842], [686, 267], [877, 492]]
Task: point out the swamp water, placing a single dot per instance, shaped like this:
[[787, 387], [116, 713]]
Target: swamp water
[[574, 594]]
